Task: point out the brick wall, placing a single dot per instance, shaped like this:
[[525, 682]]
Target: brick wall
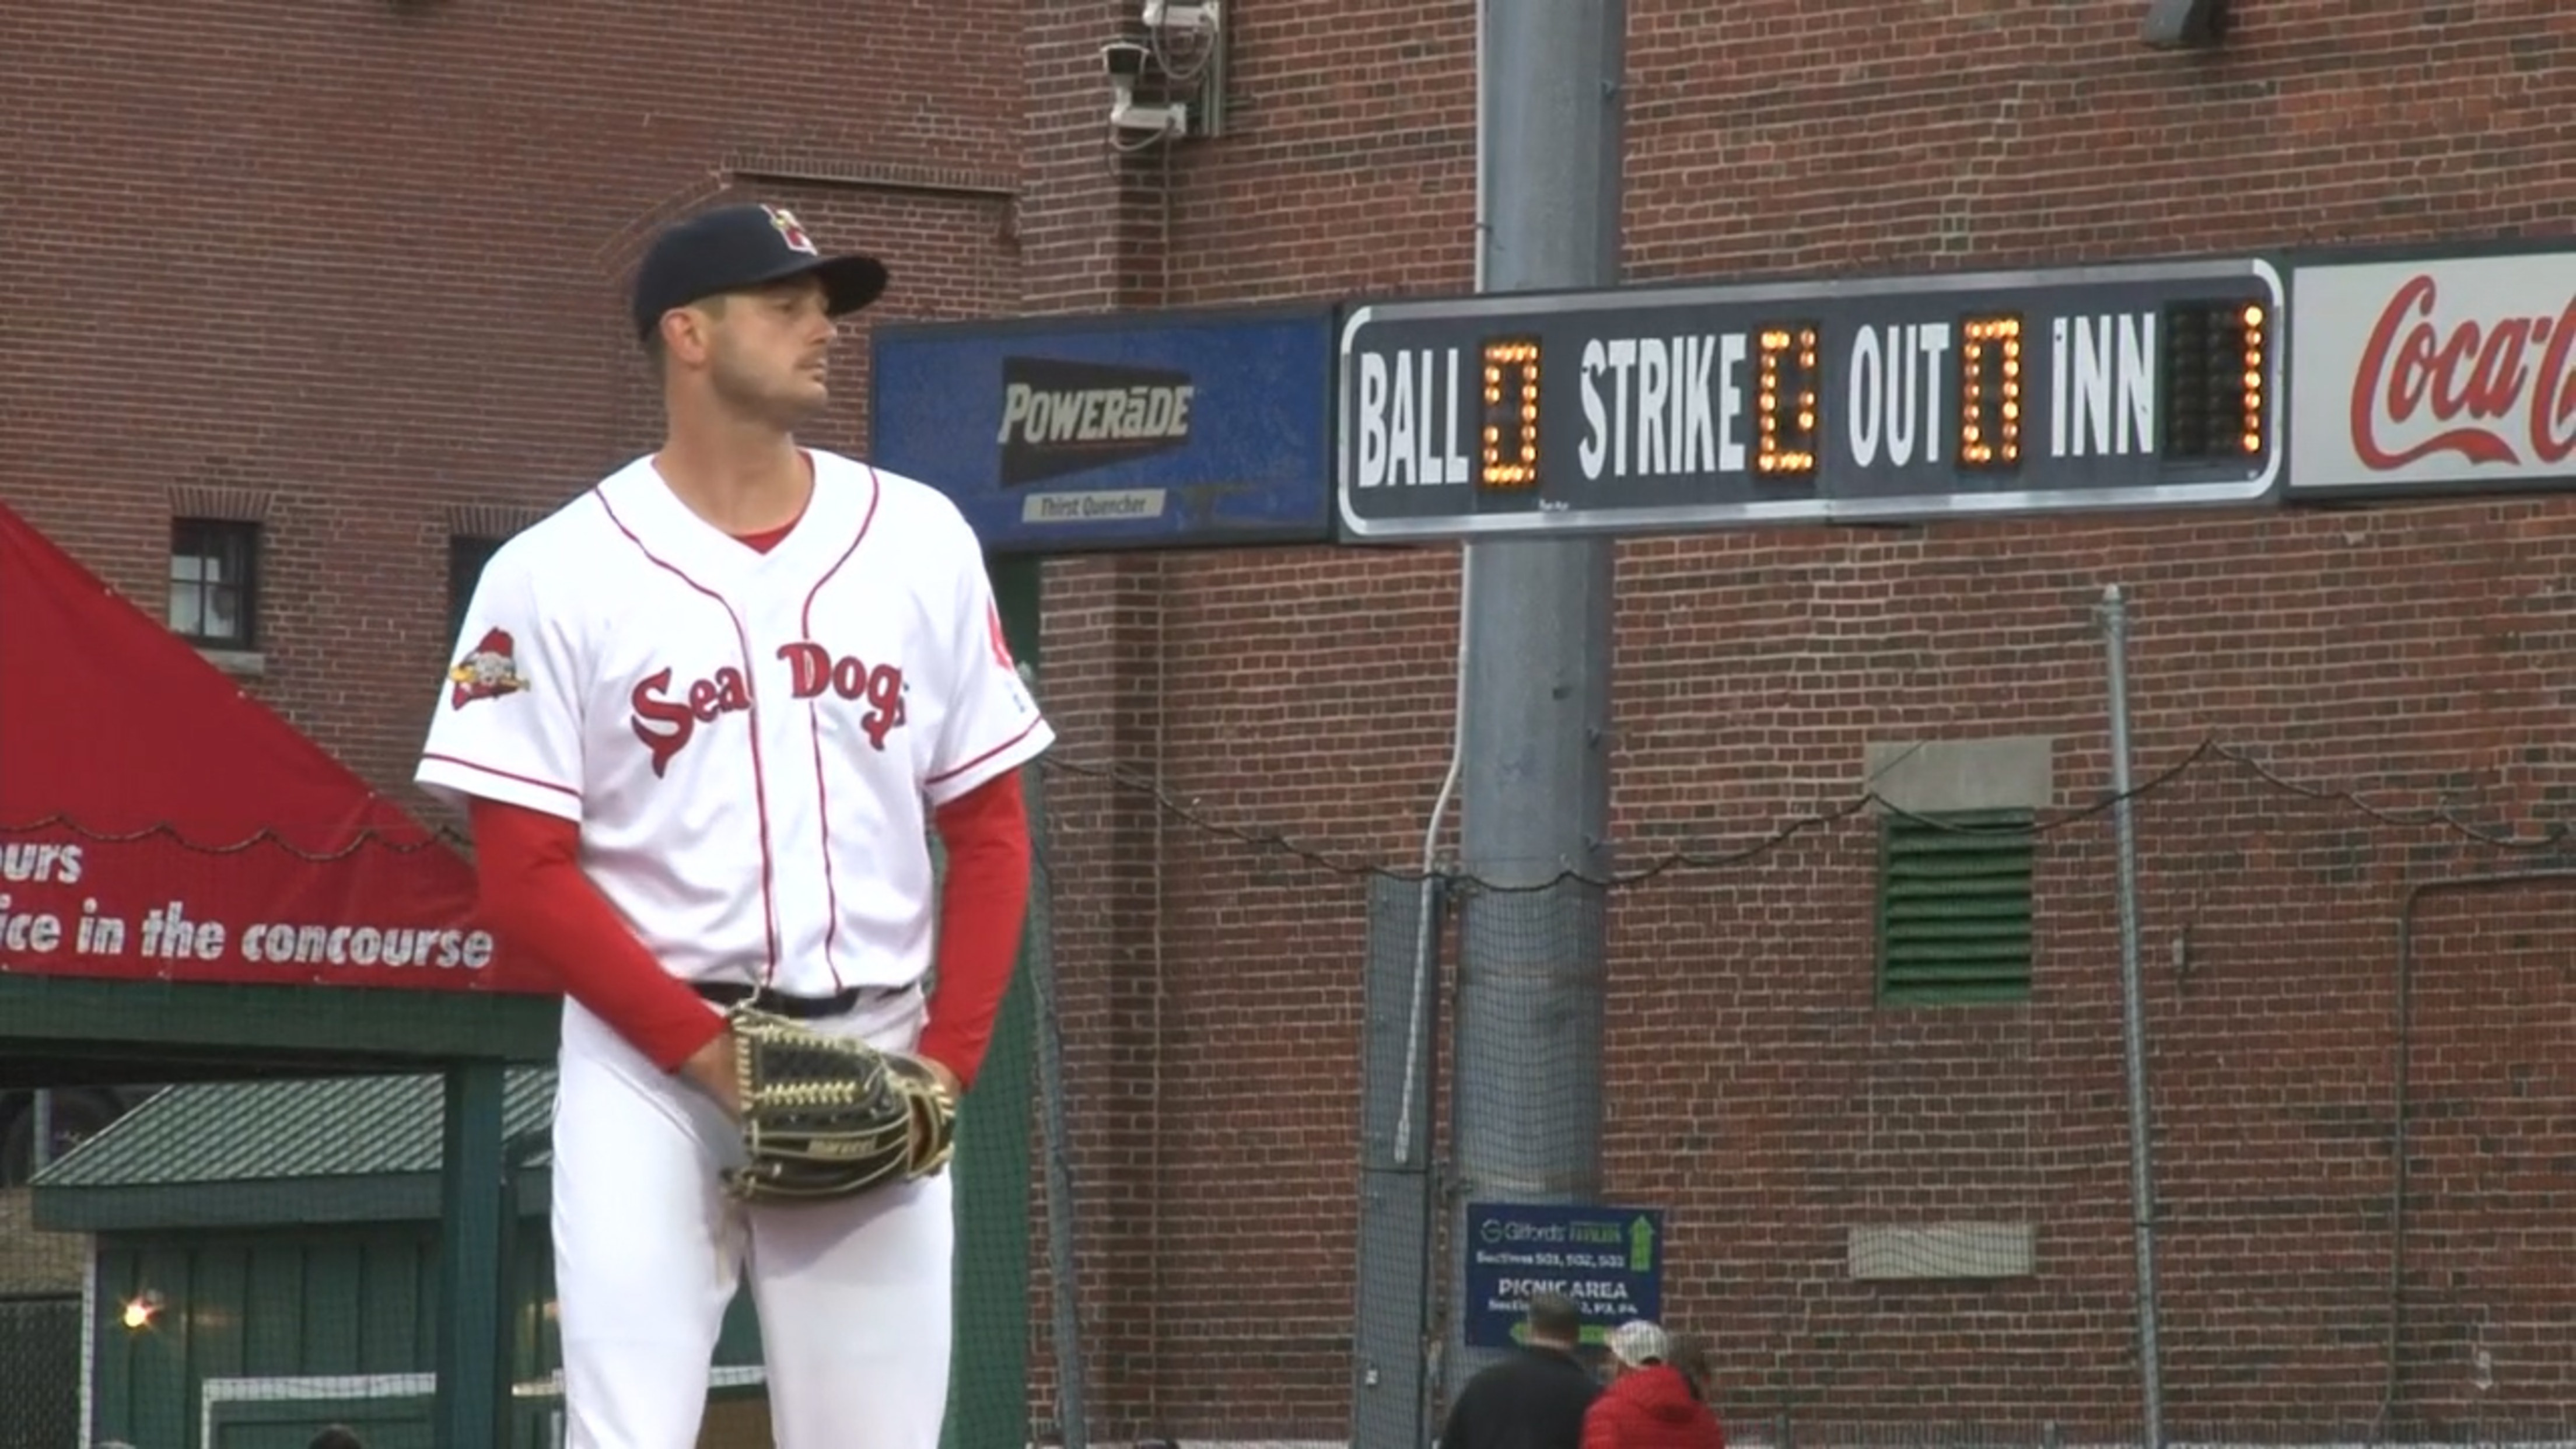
[[1092, 233], [2412, 654], [369, 262], [32, 1263], [382, 328]]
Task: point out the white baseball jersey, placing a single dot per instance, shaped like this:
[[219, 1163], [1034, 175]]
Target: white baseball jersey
[[750, 741]]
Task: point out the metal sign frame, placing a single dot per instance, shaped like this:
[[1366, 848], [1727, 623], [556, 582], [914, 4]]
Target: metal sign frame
[[2515, 364], [1204, 427], [1841, 487]]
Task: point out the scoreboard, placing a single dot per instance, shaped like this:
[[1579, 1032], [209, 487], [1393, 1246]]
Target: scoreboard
[[1641, 410]]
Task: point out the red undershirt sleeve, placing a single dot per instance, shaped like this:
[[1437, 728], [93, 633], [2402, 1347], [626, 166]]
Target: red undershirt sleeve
[[536, 900], [983, 904]]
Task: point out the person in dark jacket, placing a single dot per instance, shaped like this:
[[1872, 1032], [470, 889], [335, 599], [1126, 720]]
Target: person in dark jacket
[[1650, 1404], [1534, 1399]]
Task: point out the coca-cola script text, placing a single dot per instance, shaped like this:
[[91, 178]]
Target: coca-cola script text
[[2490, 389]]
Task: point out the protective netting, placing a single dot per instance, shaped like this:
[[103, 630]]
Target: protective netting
[[1855, 1071], [40, 1371], [234, 1226], [1278, 1134]]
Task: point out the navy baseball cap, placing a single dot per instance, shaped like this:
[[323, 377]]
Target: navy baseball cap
[[735, 248]]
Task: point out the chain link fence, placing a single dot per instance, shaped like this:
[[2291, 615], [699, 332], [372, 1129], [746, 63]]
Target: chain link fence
[[40, 1373], [1853, 1050], [1859, 1042]]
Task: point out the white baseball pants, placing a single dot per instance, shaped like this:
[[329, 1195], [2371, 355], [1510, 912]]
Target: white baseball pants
[[853, 1296]]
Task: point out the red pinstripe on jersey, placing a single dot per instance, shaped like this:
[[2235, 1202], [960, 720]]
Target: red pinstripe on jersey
[[759, 777], [814, 732]]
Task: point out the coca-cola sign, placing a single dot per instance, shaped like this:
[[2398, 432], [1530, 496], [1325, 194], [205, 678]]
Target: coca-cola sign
[[2432, 375]]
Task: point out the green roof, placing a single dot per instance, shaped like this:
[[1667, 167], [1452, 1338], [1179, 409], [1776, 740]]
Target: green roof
[[265, 1152]]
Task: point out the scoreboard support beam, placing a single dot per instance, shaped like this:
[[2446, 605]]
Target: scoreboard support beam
[[1534, 733]]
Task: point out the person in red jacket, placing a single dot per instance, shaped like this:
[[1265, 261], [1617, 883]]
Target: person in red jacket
[[1649, 1404], [1690, 1352]]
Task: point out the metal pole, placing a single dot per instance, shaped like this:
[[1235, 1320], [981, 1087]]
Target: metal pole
[[2142, 1186], [472, 1403], [1535, 787]]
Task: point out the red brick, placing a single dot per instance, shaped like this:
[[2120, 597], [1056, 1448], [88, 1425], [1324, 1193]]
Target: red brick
[[390, 327]]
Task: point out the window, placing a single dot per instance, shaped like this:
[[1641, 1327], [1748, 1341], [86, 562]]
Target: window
[[466, 557], [214, 582], [1954, 907]]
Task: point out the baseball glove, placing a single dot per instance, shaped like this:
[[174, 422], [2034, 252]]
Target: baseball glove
[[826, 1116]]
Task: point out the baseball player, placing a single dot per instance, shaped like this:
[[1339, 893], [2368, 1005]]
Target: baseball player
[[703, 719]]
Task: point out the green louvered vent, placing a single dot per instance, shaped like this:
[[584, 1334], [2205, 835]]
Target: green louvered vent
[[1954, 907]]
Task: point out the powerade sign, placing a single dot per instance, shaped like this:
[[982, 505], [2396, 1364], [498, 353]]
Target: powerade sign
[[1060, 418], [1119, 432]]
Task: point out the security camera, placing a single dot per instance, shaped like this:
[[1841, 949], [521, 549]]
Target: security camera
[[1125, 61], [1172, 119]]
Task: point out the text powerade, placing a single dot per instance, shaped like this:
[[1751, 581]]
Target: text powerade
[[1877, 400]]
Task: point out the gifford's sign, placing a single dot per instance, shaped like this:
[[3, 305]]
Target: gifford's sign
[[2446, 375]]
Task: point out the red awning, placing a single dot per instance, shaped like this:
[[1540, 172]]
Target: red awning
[[156, 822]]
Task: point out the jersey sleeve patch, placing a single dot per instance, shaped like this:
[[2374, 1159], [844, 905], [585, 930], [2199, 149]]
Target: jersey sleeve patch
[[507, 721], [489, 671], [1001, 639], [991, 722]]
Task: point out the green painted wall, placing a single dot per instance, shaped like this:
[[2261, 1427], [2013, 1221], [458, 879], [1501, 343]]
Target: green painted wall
[[302, 1303], [242, 1025]]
